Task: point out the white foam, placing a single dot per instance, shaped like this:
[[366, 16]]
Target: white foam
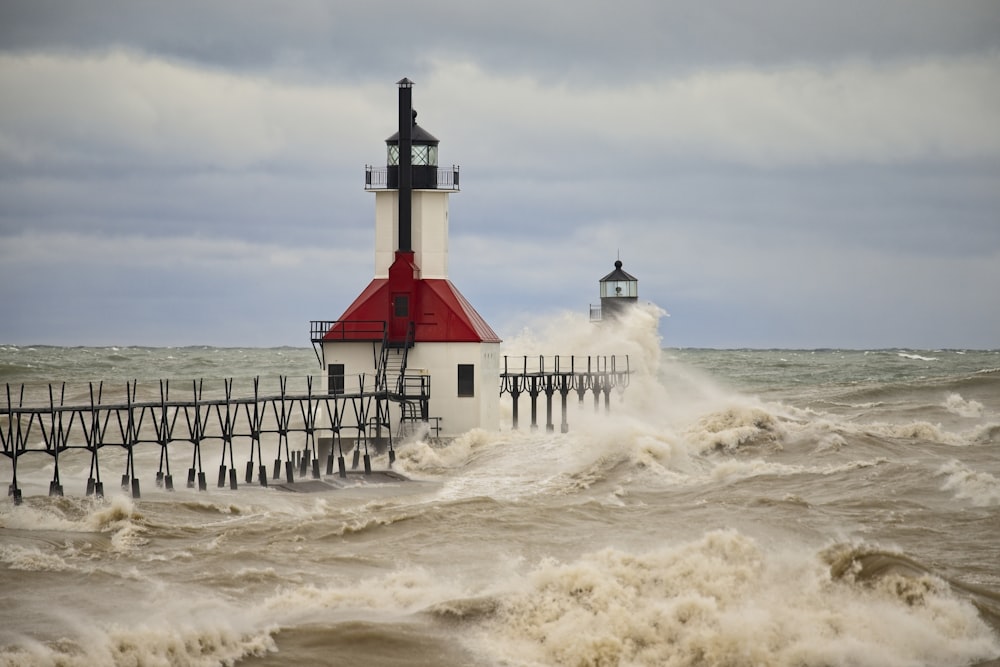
[[957, 405], [736, 426], [635, 334], [32, 559], [402, 591], [981, 488], [198, 635], [723, 600], [919, 430], [915, 357], [73, 514]]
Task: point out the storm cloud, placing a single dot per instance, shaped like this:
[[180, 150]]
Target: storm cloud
[[777, 174]]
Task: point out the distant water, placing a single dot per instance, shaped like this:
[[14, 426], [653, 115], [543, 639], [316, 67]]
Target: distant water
[[737, 507]]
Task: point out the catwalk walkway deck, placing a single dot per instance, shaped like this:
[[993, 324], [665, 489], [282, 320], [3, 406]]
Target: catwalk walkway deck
[[54, 429]]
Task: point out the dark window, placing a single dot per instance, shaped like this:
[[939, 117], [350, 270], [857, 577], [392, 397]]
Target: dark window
[[466, 380], [336, 378], [401, 305]]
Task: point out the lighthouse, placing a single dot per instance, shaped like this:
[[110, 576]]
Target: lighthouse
[[411, 333], [619, 290]]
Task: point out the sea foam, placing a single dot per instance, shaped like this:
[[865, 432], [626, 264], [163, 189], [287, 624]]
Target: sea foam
[[980, 488], [723, 600], [957, 405]]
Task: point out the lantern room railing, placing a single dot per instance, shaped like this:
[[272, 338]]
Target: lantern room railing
[[377, 178]]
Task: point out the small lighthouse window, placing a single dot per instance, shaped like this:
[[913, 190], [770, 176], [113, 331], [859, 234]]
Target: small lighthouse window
[[336, 378], [466, 380]]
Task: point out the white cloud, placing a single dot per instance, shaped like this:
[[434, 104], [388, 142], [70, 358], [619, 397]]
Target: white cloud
[[852, 111], [119, 105], [93, 107], [215, 164], [177, 253]]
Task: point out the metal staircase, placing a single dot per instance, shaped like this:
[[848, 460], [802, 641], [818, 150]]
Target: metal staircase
[[411, 392], [391, 367]]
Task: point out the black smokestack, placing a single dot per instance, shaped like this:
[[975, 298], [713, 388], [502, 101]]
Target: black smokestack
[[405, 160]]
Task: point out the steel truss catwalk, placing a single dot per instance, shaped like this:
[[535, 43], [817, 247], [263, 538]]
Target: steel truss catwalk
[[140, 418], [95, 423], [561, 375]]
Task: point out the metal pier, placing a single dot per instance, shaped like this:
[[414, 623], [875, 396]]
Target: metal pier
[[561, 375], [46, 421], [180, 423]]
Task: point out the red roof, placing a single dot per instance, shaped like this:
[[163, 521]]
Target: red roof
[[438, 310]]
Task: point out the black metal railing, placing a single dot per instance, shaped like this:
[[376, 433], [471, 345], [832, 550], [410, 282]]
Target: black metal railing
[[346, 330], [377, 178], [335, 331], [414, 387]]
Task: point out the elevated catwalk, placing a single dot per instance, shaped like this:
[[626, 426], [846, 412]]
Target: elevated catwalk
[[80, 426], [548, 376]]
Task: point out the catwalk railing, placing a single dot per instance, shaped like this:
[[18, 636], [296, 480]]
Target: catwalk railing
[[80, 430], [65, 422], [548, 376], [377, 178]]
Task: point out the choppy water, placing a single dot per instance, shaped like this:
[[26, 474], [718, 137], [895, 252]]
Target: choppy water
[[780, 507]]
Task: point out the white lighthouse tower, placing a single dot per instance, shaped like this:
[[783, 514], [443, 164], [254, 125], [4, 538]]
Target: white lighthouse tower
[[411, 332]]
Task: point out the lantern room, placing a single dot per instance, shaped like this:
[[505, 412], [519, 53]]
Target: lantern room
[[619, 289]]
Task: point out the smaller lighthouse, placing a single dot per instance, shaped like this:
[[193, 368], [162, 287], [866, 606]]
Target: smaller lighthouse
[[619, 291]]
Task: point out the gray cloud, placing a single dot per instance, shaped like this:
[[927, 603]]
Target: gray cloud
[[556, 40], [776, 174]]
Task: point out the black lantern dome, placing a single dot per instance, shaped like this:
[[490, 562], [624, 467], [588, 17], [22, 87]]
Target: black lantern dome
[[423, 158]]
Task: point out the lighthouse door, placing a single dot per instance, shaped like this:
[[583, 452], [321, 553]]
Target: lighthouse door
[[400, 317]]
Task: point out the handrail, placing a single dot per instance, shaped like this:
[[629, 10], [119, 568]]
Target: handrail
[[377, 178], [322, 331], [577, 364]]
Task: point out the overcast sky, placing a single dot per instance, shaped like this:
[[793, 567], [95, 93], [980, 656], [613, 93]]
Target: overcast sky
[[784, 173]]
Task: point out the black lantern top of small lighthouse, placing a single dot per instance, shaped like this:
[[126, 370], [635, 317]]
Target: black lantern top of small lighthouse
[[619, 289]]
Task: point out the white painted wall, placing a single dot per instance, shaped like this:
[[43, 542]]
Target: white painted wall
[[429, 231], [439, 360], [460, 413]]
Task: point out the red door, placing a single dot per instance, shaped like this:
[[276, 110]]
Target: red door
[[399, 319]]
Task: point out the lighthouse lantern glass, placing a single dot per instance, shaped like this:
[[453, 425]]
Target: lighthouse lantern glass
[[420, 155], [623, 288]]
